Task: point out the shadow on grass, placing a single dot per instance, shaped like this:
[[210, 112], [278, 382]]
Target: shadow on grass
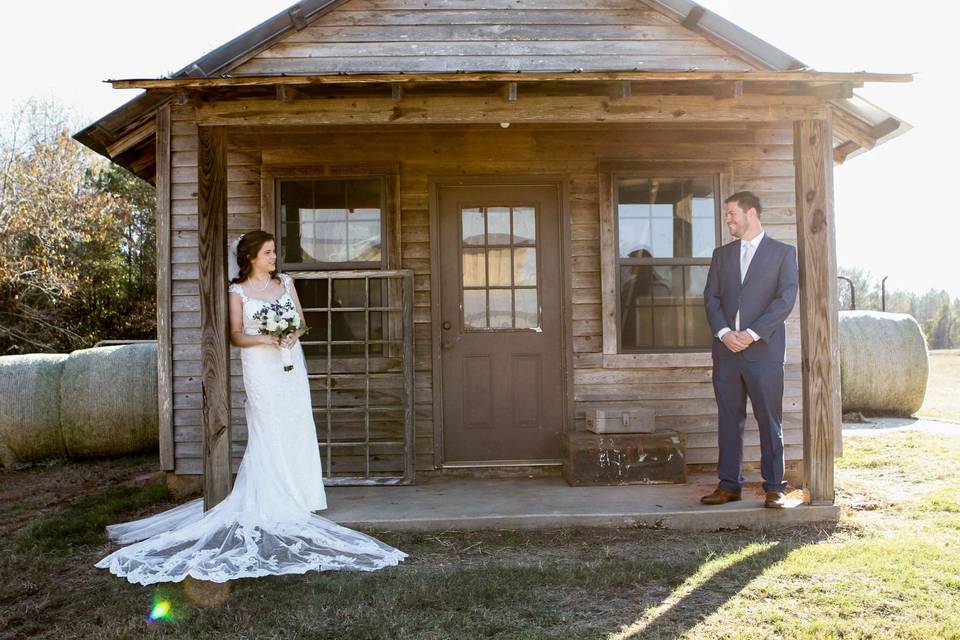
[[707, 597]]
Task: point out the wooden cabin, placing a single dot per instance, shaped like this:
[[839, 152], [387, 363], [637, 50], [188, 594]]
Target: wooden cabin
[[500, 215]]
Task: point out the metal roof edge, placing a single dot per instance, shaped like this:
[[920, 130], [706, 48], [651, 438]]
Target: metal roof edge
[[735, 36]]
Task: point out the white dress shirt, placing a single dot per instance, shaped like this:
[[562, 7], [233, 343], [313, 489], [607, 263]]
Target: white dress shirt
[[750, 247]]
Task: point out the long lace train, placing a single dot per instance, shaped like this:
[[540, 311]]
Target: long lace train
[[265, 526]]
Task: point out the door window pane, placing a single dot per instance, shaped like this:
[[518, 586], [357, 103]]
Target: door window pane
[[475, 309], [524, 226], [525, 312], [499, 267], [501, 309]]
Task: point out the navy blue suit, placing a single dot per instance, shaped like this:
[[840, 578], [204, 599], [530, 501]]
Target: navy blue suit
[[765, 298]]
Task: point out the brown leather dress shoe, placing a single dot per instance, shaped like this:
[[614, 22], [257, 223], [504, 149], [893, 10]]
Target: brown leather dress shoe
[[720, 496], [775, 500]]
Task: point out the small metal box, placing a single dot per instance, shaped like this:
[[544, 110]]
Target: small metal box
[[621, 419]]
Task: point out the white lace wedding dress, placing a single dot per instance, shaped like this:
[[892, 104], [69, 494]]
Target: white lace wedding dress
[[265, 526]]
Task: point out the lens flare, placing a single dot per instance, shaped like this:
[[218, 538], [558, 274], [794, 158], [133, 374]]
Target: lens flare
[[161, 610]]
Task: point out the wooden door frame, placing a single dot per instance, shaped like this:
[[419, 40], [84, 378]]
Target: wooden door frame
[[562, 183]]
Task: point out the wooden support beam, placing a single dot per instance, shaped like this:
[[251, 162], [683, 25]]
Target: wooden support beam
[[462, 109], [850, 127], [214, 348], [885, 128], [816, 251], [527, 76], [297, 20], [836, 91], [729, 90], [842, 151], [132, 139], [693, 18], [286, 93], [187, 97], [164, 291], [396, 92]]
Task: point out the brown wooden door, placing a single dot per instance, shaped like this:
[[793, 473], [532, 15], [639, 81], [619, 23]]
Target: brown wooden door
[[500, 322]]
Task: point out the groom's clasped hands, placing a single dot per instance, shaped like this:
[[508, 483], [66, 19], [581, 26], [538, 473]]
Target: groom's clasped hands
[[737, 341]]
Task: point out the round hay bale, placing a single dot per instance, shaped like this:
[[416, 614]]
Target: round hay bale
[[30, 407], [108, 401], [883, 363]]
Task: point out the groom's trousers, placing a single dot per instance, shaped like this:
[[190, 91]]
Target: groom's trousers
[[734, 379]]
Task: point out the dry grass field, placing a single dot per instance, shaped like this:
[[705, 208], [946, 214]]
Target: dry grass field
[[889, 569], [942, 401]]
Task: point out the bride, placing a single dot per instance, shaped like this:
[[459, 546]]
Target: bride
[[265, 526]]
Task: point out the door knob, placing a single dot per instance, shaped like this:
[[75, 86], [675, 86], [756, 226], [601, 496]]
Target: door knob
[[446, 325]]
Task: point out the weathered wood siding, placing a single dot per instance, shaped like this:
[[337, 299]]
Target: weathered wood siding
[[380, 36], [678, 388]]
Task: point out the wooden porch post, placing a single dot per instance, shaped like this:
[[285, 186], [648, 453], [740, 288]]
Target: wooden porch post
[[816, 250], [214, 353]]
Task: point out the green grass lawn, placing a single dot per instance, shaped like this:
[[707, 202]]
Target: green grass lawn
[[890, 569], [942, 400]]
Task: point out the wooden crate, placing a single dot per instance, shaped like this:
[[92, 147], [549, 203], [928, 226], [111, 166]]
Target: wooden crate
[[625, 458], [620, 418]]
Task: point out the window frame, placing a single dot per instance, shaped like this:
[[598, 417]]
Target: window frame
[[342, 265], [388, 172], [611, 262]]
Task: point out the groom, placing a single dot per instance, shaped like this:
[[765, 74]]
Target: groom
[[751, 289]]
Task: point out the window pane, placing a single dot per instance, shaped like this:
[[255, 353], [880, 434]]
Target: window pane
[[501, 309], [500, 267], [474, 268], [524, 225], [696, 280], [331, 221], [525, 266], [472, 223], [704, 227], [475, 309], [662, 307], [347, 292], [667, 327], [698, 329], [325, 242], [634, 236], [525, 311], [364, 240], [498, 225], [680, 212]]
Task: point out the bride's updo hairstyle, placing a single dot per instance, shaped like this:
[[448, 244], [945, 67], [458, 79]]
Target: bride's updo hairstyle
[[247, 250]]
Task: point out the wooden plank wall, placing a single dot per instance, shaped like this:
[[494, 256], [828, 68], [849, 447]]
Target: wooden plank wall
[[365, 36], [762, 159], [243, 214]]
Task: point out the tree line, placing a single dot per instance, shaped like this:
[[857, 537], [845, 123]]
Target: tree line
[[77, 240], [937, 314]]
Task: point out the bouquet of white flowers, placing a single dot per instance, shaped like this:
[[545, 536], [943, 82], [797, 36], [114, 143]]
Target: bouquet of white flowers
[[280, 320]]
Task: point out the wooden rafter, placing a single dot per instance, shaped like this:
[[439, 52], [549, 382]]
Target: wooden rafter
[[812, 77]]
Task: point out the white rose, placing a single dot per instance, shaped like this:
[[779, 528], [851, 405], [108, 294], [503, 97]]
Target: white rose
[[272, 325], [282, 324]]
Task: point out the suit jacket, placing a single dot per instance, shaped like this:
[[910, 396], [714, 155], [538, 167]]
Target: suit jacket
[[765, 298]]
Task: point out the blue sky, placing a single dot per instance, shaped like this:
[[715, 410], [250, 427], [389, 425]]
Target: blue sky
[[894, 215]]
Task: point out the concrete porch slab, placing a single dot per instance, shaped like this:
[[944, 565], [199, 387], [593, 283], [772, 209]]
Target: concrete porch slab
[[446, 503]]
